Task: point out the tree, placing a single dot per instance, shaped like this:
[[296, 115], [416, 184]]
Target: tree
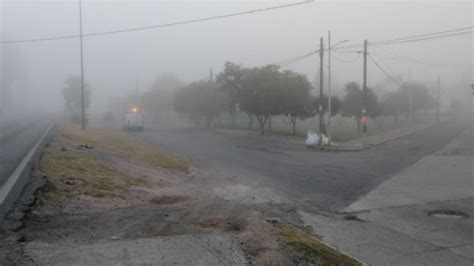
[[392, 105], [296, 97], [201, 99], [421, 98], [231, 82], [11, 72], [159, 97], [397, 103], [353, 102], [73, 97], [261, 93], [335, 105]]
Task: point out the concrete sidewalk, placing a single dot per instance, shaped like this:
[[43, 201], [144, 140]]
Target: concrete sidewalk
[[372, 140], [421, 216]]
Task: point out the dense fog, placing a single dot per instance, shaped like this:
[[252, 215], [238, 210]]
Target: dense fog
[[116, 65]]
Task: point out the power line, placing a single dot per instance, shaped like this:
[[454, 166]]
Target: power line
[[416, 38], [383, 70], [425, 38], [296, 59], [347, 61], [406, 59], [425, 35], [444, 34], [160, 25]]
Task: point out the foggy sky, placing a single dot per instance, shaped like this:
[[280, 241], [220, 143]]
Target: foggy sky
[[113, 63]]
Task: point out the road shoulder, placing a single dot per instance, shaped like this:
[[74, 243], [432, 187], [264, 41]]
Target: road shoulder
[[105, 206]]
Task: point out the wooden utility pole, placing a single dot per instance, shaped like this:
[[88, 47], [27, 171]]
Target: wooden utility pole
[[437, 100], [211, 75], [364, 81], [322, 128], [329, 87], [83, 112], [410, 98], [364, 93]]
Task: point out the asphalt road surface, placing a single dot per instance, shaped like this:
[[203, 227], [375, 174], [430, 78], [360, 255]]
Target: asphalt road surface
[[17, 136], [329, 180]]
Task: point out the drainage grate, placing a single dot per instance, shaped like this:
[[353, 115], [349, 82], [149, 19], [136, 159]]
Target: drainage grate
[[447, 214]]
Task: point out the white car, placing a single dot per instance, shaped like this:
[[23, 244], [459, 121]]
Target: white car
[[133, 121]]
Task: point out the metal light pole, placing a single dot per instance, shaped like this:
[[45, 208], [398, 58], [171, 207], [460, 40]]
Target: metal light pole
[[83, 114], [322, 129], [329, 83]]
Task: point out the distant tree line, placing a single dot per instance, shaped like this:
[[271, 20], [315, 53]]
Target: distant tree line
[[73, 98], [259, 92], [267, 91]]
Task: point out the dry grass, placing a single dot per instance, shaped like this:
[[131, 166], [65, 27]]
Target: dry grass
[[230, 224], [312, 250], [75, 174], [120, 143]]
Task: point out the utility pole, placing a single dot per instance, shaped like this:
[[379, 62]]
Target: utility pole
[[211, 75], [410, 98], [83, 114], [437, 101], [3, 100], [329, 87], [364, 80], [364, 93], [322, 129]]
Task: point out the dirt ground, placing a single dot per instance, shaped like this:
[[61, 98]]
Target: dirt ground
[[101, 206]]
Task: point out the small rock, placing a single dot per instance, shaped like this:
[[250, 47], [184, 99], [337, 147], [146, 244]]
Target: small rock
[[21, 238], [84, 147], [272, 220], [63, 149]]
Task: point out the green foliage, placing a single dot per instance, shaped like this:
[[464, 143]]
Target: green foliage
[[73, 97], [398, 102], [72, 93], [353, 101], [336, 105], [265, 91], [159, 98], [201, 99]]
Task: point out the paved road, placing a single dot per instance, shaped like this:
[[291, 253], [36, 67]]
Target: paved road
[[329, 180], [423, 215], [16, 138]]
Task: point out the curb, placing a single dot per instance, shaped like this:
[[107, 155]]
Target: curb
[[367, 146], [20, 176]]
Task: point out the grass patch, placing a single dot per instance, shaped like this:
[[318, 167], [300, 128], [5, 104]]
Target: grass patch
[[230, 224], [343, 128], [75, 174], [121, 143], [311, 249]]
